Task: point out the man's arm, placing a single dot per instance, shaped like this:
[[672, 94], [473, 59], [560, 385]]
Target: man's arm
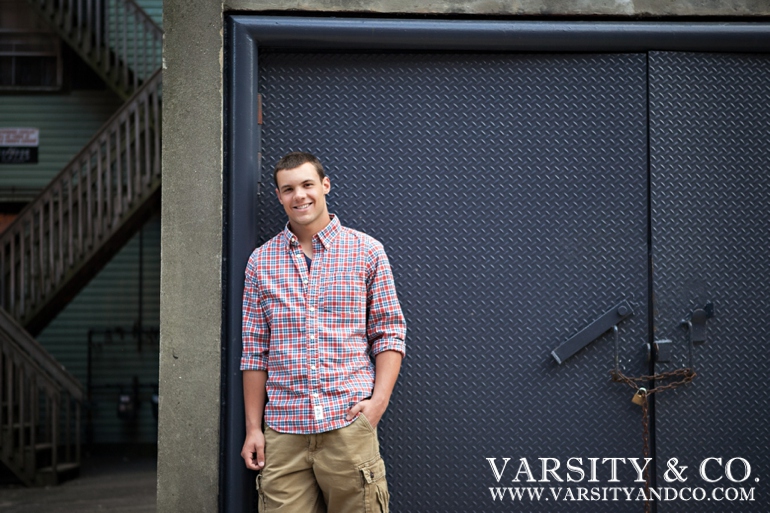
[[256, 346], [253, 452], [387, 364], [386, 330]]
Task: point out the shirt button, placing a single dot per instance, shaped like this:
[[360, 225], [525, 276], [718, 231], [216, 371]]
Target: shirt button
[[305, 282], [312, 367], [312, 308], [315, 394], [312, 337]]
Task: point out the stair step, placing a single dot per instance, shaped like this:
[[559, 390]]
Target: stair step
[[47, 476], [38, 456], [14, 430], [60, 468], [17, 425], [38, 448]]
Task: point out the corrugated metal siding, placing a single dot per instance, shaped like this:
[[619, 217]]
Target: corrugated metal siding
[[122, 32], [111, 301], [154, 8], [66, 123]]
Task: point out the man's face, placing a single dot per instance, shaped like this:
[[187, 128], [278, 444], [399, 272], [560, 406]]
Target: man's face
[[303, 196]]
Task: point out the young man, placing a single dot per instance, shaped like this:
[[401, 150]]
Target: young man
[[318, 302]]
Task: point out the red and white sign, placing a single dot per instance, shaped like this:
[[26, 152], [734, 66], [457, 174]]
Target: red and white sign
[[19, 137]]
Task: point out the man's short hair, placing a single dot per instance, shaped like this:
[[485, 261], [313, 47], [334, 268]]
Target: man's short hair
[[295, 159]]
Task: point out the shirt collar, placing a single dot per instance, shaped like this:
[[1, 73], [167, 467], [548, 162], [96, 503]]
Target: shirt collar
[[325, 236]]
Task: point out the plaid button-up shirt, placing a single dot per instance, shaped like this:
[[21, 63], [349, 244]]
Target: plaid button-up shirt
[[314, 332]]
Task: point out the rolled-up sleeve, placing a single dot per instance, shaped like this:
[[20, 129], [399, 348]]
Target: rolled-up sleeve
[[386, 326], [255, 328]]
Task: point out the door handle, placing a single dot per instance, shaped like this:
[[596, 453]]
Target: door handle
[[593, 331], [697, 323]]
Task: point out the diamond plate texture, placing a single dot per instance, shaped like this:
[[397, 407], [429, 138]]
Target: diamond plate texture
[[710, 148], [510, 192]]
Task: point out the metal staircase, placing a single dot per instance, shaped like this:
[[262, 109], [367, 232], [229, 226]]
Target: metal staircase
[[40, 410], [67, 234], [115, 37], [85, 214]]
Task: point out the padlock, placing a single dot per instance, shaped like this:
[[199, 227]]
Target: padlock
[[639, 397]]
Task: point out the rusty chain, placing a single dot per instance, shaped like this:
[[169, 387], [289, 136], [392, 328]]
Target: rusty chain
[[686, 376]]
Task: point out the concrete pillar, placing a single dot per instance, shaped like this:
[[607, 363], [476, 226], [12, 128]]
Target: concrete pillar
[[191, 258]]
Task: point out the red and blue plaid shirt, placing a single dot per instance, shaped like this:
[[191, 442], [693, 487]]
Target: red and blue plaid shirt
[[314, 332]]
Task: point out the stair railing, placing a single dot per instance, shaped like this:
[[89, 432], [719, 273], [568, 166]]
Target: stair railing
[[60, 233], [40, 430], [116, 37]]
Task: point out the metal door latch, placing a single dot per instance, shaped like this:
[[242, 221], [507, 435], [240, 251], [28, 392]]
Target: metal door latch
[[661, 351], [697, 323], [593, 331]]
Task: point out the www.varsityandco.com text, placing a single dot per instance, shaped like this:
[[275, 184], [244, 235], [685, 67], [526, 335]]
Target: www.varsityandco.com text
[[599, 479]]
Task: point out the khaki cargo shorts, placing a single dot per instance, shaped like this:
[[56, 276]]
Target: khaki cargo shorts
[[338, 471]]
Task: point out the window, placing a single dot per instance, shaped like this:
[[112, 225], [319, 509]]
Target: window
[[30, 54]]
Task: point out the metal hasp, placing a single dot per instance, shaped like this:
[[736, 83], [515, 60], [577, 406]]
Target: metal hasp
[[661, 351], [592, 331], [697, 323]]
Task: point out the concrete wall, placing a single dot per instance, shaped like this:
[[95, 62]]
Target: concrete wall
[[191, 257], [191, 285], [518, 7]]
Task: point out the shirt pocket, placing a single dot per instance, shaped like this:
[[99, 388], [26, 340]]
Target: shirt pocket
[[344, 296]]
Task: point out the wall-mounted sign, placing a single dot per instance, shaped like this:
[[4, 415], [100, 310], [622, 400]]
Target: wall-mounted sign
[[19, 145]]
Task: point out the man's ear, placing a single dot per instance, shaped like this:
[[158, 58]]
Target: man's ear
[[277, 193], [327, 185]]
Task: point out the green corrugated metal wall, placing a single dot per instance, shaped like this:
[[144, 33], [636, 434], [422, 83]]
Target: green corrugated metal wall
[[111, 301], [121, 33], [154, 8], [66, 123]]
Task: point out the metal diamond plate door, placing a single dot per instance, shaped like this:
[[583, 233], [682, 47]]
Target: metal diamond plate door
[[510, 192], [710, 152]]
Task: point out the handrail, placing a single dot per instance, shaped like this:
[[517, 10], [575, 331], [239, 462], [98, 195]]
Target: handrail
[[31, 350], [116, 37], [143, 14], [83, 206], [40, 410]]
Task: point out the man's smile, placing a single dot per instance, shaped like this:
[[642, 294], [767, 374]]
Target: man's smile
[[302, 192]]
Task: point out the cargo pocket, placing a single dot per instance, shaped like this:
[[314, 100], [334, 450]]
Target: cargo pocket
[[383, 497], [260, 495], [376, 496]]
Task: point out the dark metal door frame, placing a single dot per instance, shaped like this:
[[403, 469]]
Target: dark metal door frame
[[246, 34]]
